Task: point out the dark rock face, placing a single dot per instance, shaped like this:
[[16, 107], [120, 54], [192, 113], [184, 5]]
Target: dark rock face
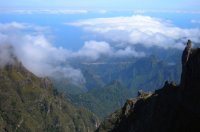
[[190, 83], [170, 109], [186, 52]]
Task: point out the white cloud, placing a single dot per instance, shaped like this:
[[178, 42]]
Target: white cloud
[[195, 21], [143, 30], [121, 35], [102, 11], [93, 49], [42, 11], [128, 51], [35, 51], [167, 11], [96, 49], [11, 26], [74, 75], [6, 55]]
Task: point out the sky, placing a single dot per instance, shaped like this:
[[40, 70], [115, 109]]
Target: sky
[[104, 4], [47, 34]]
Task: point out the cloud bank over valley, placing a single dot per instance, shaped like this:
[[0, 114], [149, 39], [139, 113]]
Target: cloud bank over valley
[[35, 51], [117, 37], [144, 30]]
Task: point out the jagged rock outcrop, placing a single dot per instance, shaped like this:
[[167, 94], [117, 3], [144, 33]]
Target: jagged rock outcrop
[[170, 109], [186, 53], [190, 83]]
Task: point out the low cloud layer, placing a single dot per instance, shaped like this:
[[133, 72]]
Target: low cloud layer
[[5, 55], [120, 36], [143, 30], [35, 51], [95, 49], [32, 47]]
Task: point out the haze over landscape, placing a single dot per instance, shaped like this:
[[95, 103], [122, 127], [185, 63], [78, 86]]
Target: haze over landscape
[[99, 53]]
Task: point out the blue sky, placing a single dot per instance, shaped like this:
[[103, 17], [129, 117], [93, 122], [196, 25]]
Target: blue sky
[[105, 4], [54, 13], [48, 33]]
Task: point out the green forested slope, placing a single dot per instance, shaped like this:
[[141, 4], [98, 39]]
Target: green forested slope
[[110, 84], [29, 103]]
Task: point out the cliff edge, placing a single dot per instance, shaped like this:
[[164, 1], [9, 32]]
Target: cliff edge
[[173, 108]]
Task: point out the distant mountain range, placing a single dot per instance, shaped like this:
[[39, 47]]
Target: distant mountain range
[[101, 95]]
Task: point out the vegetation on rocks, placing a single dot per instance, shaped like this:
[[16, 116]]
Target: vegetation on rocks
[[29, 103]]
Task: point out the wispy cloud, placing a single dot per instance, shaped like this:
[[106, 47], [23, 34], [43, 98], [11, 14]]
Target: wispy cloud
[[143, 30], [195, 21], [42, 11], [142, 11], [128, 51], [119, 36], [102, 11], [95, 49], [53, 11], [6, 55], [35, 51], [33, 48]]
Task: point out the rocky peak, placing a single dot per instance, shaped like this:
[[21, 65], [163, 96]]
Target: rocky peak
[[30, 103], [190, 81], [170, 109], [186, 52]]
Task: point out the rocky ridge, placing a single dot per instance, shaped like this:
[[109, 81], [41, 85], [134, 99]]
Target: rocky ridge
[[29, 103], [173, 108]]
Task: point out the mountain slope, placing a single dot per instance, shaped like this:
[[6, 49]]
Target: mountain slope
[[105, 100], [29, 103], [103, 96], [170, 109], [145, 73]]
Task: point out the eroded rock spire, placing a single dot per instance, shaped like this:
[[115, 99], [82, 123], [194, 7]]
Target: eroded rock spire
[[186, 52]]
